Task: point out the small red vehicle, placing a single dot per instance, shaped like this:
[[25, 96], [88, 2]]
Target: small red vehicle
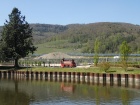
[[67, 63]]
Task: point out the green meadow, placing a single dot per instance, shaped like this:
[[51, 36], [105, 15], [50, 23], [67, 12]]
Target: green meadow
[[57, 46]]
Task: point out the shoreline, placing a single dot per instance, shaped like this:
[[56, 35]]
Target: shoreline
[[78, 77]]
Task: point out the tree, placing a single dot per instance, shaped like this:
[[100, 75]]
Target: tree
[[124, 51], [96, 51], [16, 41]]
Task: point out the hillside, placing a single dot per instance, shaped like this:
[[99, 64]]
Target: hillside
[[77, 38]]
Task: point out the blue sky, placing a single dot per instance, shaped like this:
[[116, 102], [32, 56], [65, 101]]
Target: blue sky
[[65, 12]]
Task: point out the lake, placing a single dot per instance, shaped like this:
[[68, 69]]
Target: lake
[[41, 92]]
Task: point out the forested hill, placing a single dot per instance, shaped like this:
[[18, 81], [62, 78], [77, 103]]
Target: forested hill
[[81, 37]]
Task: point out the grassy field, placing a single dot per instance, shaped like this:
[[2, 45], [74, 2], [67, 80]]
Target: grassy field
[[55, 46]]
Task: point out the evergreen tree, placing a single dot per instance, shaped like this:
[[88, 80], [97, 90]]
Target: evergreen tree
[[16, 41]]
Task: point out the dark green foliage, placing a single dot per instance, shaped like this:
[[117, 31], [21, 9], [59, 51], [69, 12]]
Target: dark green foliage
[[16, 41]]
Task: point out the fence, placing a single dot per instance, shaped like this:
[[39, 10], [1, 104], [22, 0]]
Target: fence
[[79, 61]]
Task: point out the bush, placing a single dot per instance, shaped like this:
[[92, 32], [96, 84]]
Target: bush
[[39, 63], [124, 65], [105, 66], [136, 66]]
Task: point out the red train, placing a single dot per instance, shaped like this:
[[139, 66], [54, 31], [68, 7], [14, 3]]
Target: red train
[[67, 63]]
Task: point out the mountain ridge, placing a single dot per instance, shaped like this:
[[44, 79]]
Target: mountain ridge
[[81, 37]]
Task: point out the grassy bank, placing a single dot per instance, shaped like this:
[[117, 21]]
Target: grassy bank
[[91, 69], [120, 70]]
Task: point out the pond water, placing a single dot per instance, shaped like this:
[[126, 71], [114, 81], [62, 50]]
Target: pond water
[[39, 92]]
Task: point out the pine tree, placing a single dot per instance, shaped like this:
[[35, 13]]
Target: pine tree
[[16, 41]]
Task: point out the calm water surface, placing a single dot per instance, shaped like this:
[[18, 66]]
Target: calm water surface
[[33, 92]]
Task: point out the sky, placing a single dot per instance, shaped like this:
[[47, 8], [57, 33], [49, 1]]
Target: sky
[[64, 12]]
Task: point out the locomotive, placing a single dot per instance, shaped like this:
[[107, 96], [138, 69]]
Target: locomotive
[[67, 63]]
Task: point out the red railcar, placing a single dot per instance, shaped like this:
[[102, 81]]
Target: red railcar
[[68, 63]]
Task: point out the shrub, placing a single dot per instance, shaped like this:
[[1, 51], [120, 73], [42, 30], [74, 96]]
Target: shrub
[[136, 65], [124, 65], [105, 66], [39, 63]]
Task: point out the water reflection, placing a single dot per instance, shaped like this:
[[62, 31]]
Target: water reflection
[[10, 94], [67, 88], [32, 92]]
